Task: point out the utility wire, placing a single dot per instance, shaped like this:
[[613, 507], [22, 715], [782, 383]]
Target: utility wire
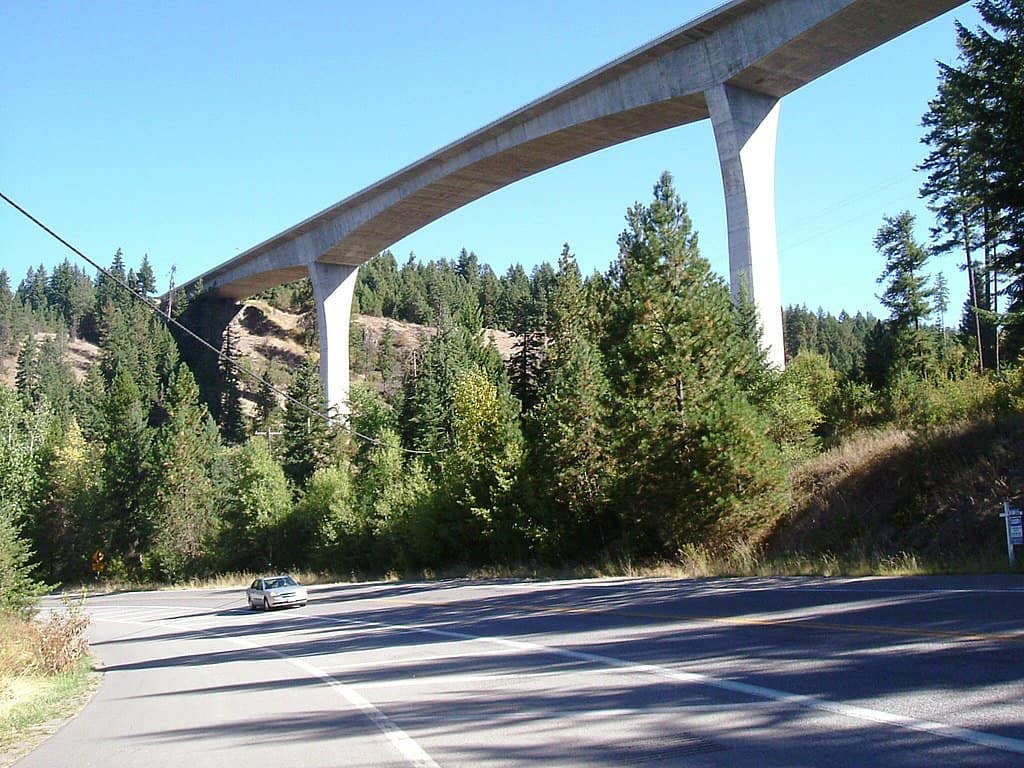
[[166, 317]]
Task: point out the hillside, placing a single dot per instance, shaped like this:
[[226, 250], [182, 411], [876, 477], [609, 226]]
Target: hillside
[[934, 493], [274, 341], [81, 354]]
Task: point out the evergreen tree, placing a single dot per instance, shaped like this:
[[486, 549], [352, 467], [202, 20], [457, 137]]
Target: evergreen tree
[[145, 279], [490, 289], [513, 298], [958, 178], [109, 290], [122, 527], [387, 356], [306, 438], [71, 293], [907, 293], [468, 269], [413, 305], [27, 376], [267, 408], [56, 383], [569, 466], [21, 441], [428, 389], [230, 418], [377, 288], [32, 291], [977, 163], [182, 506], [527, 353], [6, 294], [693, 454]]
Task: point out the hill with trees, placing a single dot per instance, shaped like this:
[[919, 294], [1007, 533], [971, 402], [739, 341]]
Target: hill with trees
[[623, 416]]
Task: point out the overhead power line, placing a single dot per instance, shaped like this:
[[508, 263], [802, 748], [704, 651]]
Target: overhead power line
[[167, 318]]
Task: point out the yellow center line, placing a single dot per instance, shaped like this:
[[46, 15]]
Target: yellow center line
[[921, 632]]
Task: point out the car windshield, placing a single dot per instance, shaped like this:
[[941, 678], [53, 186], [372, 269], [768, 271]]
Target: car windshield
[[283, 581]]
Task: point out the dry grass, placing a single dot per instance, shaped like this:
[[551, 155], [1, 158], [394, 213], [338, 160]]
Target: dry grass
[[906, 501], [45, 677], [230, 580]]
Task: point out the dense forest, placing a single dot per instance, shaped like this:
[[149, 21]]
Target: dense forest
[[635, 417]]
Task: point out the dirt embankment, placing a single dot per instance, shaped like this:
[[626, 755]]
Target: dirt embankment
[[934, 493]]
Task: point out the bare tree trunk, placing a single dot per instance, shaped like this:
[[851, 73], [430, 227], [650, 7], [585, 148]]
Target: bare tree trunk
[[966, 231]]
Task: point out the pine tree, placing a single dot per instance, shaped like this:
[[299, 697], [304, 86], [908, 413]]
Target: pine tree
[[181, 505], [32, 290], [21, 441], [513, 297], [692, 451], [527, 353], [958, 178], [230, 418], [108, 286], [6, 294], [145, 279], [267, 407], [429, 386], [941, 302], [27, 376], [56, 385], [487, 296], [387, 356], [907, 293], [986, 187], [306, 438], [569, 466], [413, 304], [126, 465]]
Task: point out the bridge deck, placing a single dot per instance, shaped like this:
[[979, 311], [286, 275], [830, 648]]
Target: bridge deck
[[769, 46]]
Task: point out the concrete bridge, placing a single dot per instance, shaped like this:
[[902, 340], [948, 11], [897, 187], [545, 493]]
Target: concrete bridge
[[732, 65]]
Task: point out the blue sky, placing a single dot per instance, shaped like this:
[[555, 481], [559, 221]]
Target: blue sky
[[192, 131]]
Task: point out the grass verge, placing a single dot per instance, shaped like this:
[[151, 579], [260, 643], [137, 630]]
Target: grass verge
[[46, 677]]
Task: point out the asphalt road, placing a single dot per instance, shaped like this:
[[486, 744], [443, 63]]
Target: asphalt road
[[792, 672]]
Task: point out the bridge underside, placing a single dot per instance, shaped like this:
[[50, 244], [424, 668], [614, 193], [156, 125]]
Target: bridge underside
[[732, 65]]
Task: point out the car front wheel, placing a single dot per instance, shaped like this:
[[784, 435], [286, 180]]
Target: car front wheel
[[266, 604]]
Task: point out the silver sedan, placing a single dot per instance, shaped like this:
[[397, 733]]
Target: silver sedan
[[269, 592]]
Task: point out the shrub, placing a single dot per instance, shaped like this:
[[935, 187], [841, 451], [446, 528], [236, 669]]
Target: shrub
[[49, 647], [923, 402], [61, 641]]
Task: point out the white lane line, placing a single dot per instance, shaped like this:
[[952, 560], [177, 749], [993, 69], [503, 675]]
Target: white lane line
[[482, 677], [398, 738], [398, 662], [587, 715], [980, 738]]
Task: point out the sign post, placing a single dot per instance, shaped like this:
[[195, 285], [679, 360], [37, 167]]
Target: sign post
[[1014, 530]]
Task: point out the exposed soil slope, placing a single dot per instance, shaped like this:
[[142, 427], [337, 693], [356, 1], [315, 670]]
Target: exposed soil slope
[[935, 494]]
